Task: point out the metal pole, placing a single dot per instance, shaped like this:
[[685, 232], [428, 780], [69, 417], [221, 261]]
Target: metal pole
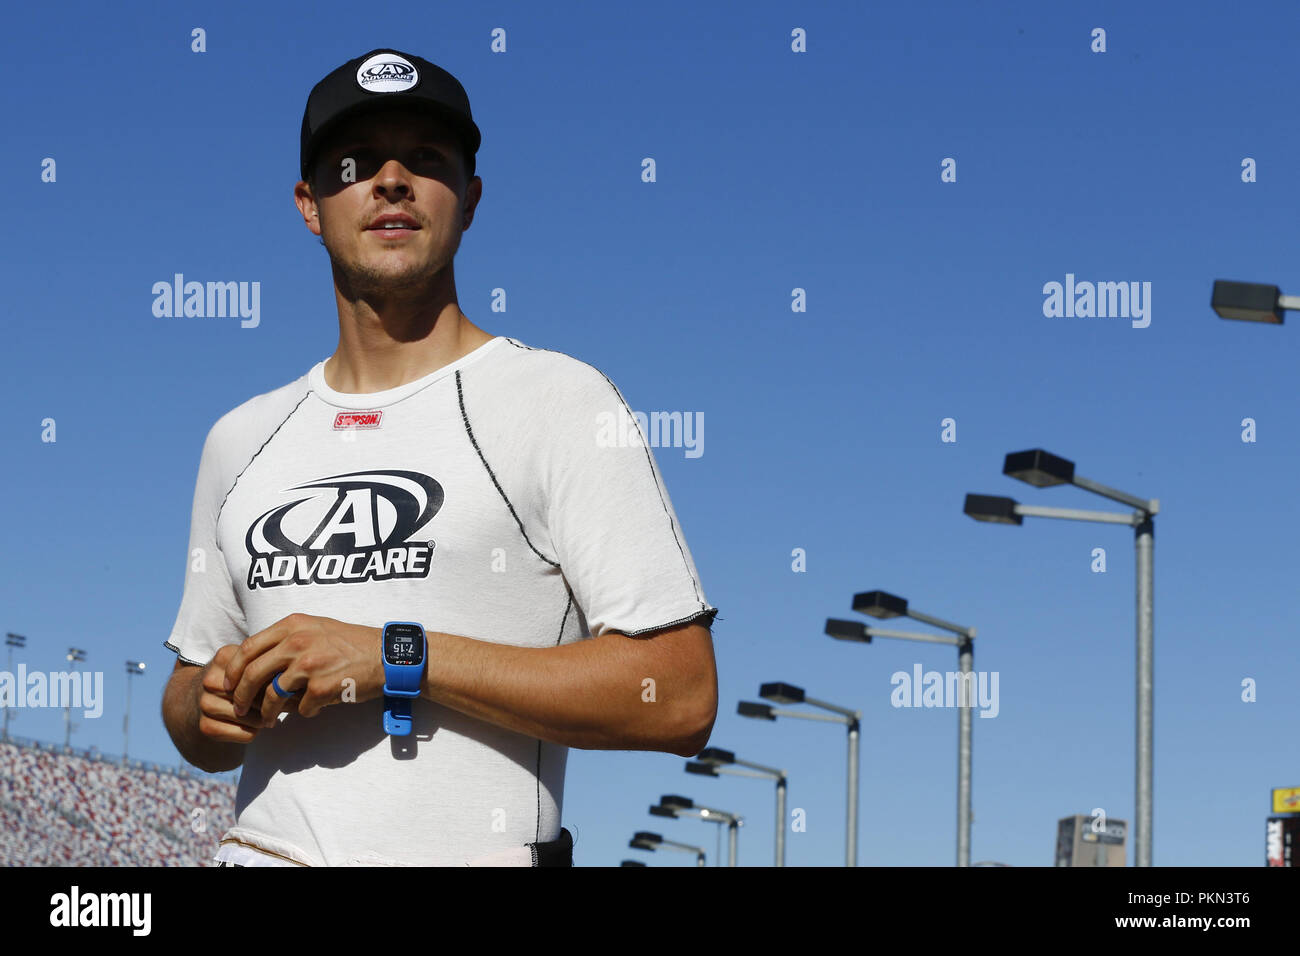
[[851, 851], [17, 690], [126, 719], [780, 820], [964, 714], [733, 831], [67, 711], [1145, 540]]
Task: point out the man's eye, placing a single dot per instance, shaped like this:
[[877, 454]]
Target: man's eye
[[360, 156], [367, 159]]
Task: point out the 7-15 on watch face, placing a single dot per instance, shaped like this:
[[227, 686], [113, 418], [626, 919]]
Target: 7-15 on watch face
[[403, 644]]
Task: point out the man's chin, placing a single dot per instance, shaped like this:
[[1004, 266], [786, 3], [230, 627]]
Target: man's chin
[[371, 277]]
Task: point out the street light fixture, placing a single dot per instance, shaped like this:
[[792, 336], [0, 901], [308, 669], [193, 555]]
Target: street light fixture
[[1251, 301], [714, 761], [671, 805], [12, 641], [994, 509], [133, 669], [644, 840], [75, 656], [883, 605], [847, 630], [1042, 469], [783, 693]]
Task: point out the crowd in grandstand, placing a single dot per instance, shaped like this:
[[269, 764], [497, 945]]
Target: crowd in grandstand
[[61, 808]]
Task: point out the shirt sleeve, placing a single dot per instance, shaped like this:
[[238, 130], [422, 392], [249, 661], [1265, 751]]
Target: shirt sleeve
[[210, 616], [617, 538]]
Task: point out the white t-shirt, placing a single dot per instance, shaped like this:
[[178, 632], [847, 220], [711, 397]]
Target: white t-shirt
[[509, 497]]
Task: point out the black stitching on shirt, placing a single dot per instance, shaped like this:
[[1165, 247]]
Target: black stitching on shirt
[[183, 659], [254, 458], [710, 613], [460, 396], [649, 461]]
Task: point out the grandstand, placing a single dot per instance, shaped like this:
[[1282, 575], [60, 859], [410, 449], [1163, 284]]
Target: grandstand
[[61, 806]]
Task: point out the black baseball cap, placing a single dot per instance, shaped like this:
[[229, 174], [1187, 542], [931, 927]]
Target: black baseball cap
[[380, 79]]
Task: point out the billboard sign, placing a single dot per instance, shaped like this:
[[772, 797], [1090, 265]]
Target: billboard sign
[[1282, 841], [1286, 800]]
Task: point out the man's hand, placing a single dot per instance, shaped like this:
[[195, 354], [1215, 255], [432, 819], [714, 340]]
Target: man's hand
[[217, 718], [314, 656]]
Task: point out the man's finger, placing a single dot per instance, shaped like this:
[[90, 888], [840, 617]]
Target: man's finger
[[257, 677], [225, 732], [222, 709], [274, 703], [254, 646]]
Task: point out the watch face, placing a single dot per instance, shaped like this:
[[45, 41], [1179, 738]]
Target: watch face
[[403, 644]]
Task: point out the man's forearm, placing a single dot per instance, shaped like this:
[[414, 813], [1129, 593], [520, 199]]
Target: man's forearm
[[608, 693], [181, 718]]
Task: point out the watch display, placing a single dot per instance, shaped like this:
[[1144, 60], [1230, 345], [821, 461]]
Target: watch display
[[403, 645]]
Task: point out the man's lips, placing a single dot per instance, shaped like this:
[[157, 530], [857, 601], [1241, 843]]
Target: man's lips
[[393, 225]]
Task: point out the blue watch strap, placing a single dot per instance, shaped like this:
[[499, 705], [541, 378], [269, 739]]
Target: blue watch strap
[[402, 682], [397, 716]]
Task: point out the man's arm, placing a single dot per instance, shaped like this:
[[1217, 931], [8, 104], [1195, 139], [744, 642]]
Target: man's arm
[[200, 718], [658, 691]]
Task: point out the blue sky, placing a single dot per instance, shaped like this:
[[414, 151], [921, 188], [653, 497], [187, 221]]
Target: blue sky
[[776, 171]]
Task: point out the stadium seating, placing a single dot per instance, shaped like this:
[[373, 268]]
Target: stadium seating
[[60, 808]]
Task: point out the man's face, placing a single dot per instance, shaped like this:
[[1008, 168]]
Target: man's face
[[395, 163]]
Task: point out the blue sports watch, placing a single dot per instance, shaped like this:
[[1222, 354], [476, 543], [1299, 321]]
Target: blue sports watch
[[404, 646]]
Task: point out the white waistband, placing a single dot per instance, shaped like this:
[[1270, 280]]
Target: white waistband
[[244, 855]]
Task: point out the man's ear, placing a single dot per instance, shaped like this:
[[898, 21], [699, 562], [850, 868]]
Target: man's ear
[[473, 193], [304, 197]]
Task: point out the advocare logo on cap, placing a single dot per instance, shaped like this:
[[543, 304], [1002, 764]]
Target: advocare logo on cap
[[387, 73]]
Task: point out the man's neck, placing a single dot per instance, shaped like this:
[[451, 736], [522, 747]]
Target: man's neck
[[378, 351]]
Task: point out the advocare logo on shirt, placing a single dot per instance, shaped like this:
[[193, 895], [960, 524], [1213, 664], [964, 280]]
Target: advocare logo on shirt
[[358, 527], [387, 73]]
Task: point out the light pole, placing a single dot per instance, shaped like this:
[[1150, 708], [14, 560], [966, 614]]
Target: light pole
[[880, 604], [75, 656], [1043, 470], [646, 840], [788, 694], [133, 668], [711, 762], [674, 806], [12, 641], [1251, 301]]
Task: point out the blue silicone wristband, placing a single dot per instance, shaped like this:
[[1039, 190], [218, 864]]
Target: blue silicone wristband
[[397, 716], [402, 682]]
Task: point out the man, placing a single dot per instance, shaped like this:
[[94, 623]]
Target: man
[[432, 506]]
